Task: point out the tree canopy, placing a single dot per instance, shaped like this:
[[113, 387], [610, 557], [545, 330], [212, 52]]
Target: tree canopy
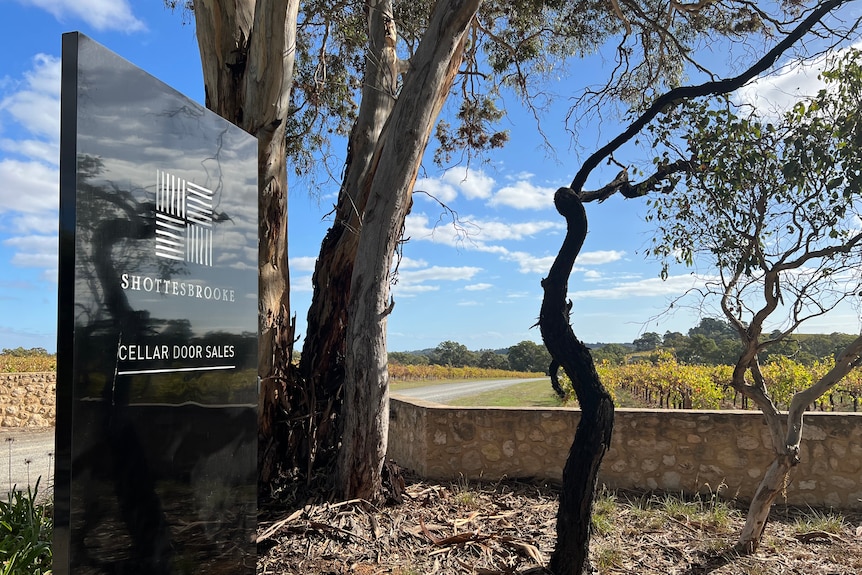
[[514, 48], [773, 206]]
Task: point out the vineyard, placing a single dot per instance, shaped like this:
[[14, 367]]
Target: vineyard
[[400, 372], [38, 363], [671, 385], [27, 363], [664, 383]]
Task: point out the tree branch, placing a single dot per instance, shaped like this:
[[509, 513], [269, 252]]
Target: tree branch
[[708, 88]]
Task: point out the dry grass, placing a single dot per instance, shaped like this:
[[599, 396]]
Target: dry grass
[[508, 528]]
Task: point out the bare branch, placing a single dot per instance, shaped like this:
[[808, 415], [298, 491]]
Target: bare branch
[[724, 86]]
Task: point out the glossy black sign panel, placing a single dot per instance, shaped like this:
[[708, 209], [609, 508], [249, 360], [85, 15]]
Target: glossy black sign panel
[[157, 330]]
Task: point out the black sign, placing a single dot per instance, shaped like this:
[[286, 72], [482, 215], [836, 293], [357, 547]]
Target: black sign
[[157, 330]]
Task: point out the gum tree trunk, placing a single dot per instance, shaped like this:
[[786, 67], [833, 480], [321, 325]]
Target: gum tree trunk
[[247, 52], [324, 350], [394, 167]]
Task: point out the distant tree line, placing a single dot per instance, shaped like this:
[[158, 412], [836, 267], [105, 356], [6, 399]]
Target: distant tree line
[[711, 342], [526, 356], [715, 342], [21, 352]]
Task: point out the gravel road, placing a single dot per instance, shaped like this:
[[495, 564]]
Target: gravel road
[[448, 391], [25, 455]]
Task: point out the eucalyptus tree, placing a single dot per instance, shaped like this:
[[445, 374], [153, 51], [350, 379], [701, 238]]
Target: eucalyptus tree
[[248, 50], [376, 74], [774, 207], [595, 428]]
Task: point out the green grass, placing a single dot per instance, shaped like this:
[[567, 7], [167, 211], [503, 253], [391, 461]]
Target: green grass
[[604, 511], [529, 394], [25, 534], [816, 520], [465, 495]]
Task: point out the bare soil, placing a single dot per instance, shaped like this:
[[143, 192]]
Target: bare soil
[[508, 528]]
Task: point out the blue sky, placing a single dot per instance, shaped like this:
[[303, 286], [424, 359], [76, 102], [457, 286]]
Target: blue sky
[[477, 284]]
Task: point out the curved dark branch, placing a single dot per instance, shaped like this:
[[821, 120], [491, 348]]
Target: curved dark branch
[[708, 88], [657, 182]]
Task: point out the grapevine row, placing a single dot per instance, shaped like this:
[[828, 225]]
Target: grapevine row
[[666, 383], [432, 372]]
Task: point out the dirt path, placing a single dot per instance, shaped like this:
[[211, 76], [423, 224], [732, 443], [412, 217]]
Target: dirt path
[[442, 393], [25, 455]]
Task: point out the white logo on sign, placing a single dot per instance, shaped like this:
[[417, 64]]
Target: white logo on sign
[[184, 220]]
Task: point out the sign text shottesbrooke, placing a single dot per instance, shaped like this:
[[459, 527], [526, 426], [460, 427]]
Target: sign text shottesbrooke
[[176, 288]]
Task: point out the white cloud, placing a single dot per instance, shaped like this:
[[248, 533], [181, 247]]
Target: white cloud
[[478, 287], [301, 284], [41, 151], [599, 257], [777, 93], [30, 176], [437, 273], [36, 259], [35, 105], [302, 264], [414, 281], [524, 196], [477, 185], [29, 169], [415, 289], [673, 285], [469, 231], [34, 251], [478, 235], [410, 263], [529, 263], [435, 190], [100, 14], [35, 223], [498, 231], [28, 187], [474, 184]]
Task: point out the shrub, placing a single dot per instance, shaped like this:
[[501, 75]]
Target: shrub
[[25, 534]]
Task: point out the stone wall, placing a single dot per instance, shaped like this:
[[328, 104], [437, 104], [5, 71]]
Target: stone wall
[[679, 450], [27, 399]]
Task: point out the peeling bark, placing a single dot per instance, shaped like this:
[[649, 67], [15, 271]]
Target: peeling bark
[[366, 390], [324, 350]]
